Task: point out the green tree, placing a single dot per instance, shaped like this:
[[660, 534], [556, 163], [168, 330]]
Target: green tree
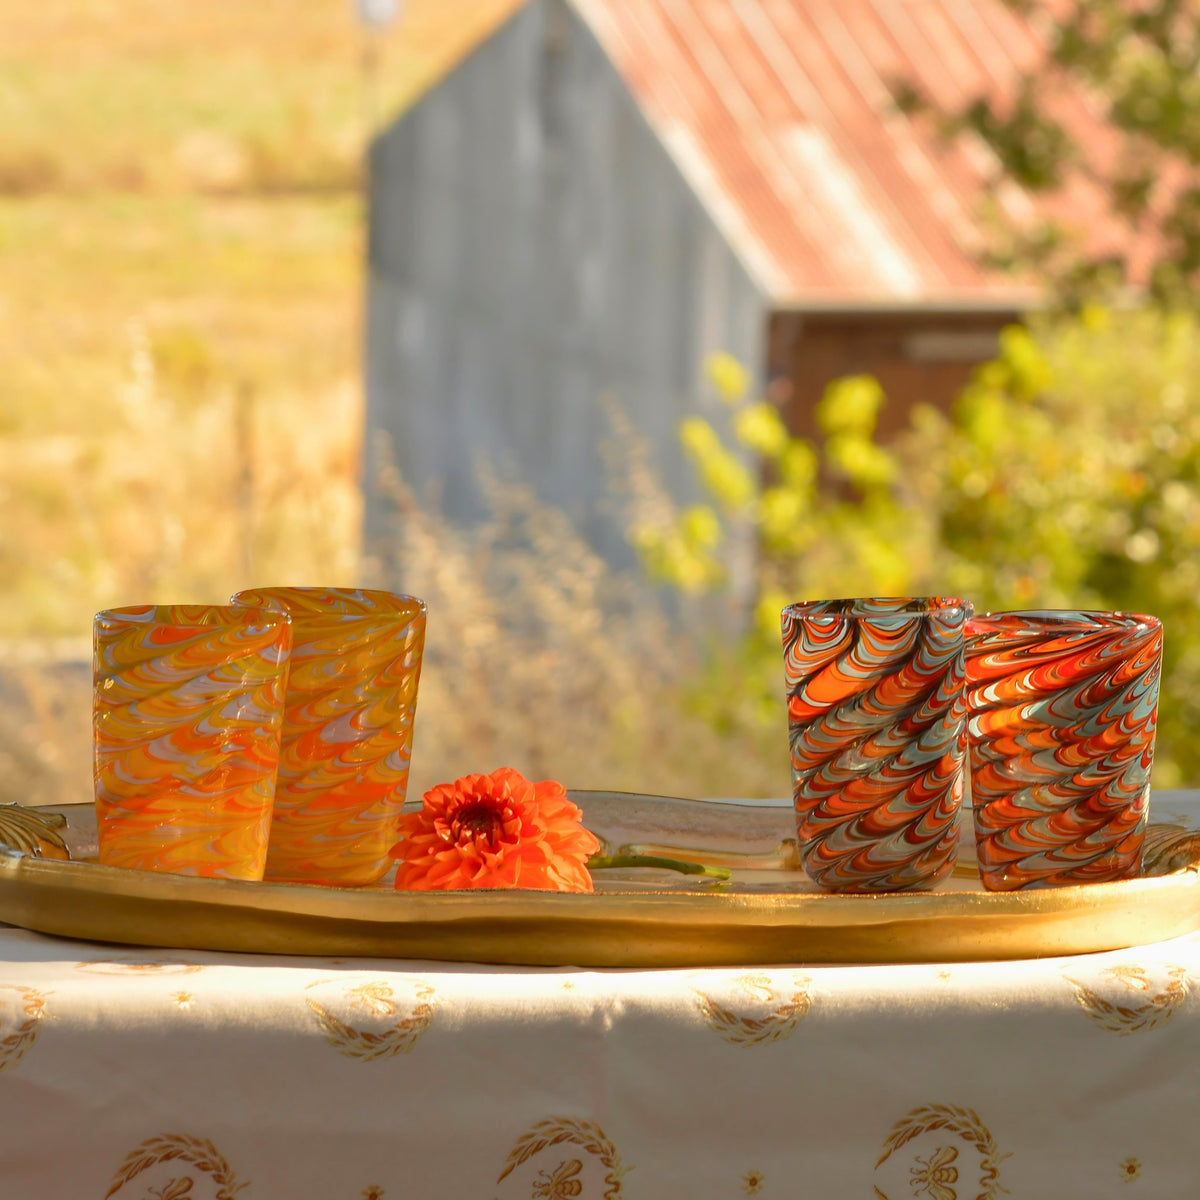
[[1066, 476], [1137, 63]]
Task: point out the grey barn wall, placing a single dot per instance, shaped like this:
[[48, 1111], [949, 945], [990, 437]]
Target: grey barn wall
[[533, 248]]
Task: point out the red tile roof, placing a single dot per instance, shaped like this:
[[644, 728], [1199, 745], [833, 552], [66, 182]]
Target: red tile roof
[[781, 114]]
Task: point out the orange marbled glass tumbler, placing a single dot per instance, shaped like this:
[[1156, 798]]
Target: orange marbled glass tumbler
[[1062, 711], [187, 714], [347, 733]]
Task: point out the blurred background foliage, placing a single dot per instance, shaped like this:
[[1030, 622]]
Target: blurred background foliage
[[181, 233], [181, 413], [1138, 62], [1066, 476]]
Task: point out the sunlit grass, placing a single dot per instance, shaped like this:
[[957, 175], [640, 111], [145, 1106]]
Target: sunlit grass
[[265, 288], [223, 95], [181, 410], [241, 356]]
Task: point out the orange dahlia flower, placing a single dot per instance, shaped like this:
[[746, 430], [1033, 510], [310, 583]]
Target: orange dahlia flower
[[495, 831]]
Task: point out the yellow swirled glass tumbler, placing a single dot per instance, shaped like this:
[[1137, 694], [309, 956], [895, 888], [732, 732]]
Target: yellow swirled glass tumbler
[[187, 713], [347, 734]]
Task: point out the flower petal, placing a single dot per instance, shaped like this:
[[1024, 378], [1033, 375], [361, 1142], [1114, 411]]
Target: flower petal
[[496, 831]]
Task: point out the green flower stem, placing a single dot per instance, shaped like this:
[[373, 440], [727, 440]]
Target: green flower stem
[[601, 863]]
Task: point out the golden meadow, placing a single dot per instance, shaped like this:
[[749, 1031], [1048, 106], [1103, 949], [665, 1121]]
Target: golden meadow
[[181, 416], [180, 401]]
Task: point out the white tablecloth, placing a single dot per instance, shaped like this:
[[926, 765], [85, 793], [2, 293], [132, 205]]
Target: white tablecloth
[[148, 1075]]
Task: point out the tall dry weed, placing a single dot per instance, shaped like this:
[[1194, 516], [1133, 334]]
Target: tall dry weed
[[541, 657], [192, 484], [45, 723], [188, 486]]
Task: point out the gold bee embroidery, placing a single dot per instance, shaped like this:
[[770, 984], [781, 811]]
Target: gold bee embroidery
[[933, 1177], [374, 998], [741, 1028], [935, 1174], [377, 999], [752, 1182], [1130, 1169], [374, 1192], [560, 1184], [1133, 977], [183, 1000], [757, 987], [1140, 1005], [172, 1190], [557, 1131], [177, 1147]]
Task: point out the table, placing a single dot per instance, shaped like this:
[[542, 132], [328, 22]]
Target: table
[[182, 1075]]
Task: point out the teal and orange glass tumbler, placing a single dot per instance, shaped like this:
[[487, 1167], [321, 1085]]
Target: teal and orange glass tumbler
[[1063, 707], [877, 737]]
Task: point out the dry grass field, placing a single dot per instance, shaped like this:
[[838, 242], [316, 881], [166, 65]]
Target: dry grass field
[[180, 279], [180, 401]]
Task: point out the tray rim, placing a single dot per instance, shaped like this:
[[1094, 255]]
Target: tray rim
[[636, 928]]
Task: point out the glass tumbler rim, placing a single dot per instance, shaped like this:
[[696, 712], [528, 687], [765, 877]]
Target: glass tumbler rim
[[392, 604], [879, 608], [191, 616], [1060, 620]]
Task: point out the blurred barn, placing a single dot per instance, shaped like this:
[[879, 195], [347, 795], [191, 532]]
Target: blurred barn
[[604, 191]]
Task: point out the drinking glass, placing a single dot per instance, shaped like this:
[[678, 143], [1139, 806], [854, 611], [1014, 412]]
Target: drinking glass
[[877, 738], [1062, 709], [187, 711], [347, 731]]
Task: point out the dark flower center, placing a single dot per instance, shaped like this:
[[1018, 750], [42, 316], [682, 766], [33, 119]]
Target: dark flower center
[[475, 821]]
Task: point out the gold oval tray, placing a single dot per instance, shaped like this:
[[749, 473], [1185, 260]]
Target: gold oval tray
[[768, 913]]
